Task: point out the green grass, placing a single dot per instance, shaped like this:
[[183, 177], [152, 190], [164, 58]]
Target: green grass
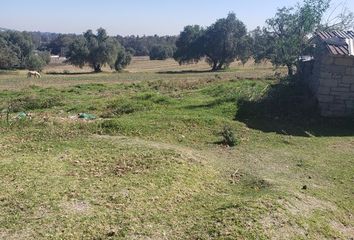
[[151, 167]]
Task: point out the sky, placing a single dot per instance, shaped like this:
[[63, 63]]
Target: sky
[[134, 17]]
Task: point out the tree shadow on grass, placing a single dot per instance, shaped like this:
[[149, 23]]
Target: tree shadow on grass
[[290, 109], [184, 72], [72, 73]]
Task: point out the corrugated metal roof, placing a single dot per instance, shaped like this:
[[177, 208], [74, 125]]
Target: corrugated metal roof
[[334, 48]]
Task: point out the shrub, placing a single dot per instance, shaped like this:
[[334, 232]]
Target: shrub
[[45, 56], [110, 126], [8, 57], [35, 63], [123, 60], [228, 137], [161, 52]]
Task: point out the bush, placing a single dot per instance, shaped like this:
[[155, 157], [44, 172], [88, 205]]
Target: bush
[[45, 56], [35, 63], [123, 60], [161, 52], [8, 57], [228, 136]]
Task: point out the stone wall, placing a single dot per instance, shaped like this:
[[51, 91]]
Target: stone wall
[[332, 82]]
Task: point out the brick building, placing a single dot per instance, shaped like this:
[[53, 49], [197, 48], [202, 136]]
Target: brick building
[[332, 74]]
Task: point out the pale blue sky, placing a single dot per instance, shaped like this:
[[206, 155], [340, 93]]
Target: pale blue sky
[[127, 17]]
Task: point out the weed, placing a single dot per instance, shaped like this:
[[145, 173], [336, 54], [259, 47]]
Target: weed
[[124, 106], [34, 102], [228, 137]]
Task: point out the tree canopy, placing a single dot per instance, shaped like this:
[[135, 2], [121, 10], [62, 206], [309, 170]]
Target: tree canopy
[[220, 44], [142, 45], [96, 50], [188, 45], [286, 36], [161, 52], [17, 50]]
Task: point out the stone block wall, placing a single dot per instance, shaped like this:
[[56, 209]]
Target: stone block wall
[[333, 85]]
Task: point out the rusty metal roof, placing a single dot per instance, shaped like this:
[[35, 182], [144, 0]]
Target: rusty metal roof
[[334, 48]]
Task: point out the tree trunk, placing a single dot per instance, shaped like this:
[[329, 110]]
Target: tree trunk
[[215, 66], [290, 70], [97, 68], [219, 67]]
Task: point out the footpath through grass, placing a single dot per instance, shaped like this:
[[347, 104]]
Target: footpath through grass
[[151, 167]]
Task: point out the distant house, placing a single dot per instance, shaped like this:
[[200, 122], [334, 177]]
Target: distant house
[[332, 73]]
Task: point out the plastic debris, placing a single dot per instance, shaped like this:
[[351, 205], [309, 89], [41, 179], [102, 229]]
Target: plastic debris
[[21, 116], [87, 116]]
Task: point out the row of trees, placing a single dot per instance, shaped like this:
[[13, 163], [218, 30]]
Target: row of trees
[[17, 50], [147, 45], [135, 45], [282, 41], [285, 37]]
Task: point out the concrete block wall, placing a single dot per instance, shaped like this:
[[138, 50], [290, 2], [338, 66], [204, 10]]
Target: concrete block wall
[[333, 85]]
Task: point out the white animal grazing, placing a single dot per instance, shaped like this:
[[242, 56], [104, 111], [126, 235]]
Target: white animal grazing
[[34, 74]]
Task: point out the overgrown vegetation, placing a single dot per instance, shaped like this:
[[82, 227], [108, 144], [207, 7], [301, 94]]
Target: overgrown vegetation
[[177, 154], [151, 168]]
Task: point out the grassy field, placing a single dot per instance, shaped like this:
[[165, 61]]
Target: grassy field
[[152, 165]]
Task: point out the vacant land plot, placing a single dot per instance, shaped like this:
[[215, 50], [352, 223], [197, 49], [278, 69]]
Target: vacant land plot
[[152, 165]]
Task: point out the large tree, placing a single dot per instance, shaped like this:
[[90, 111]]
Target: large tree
[[189, 49], [8, 57], [287, 34], [96, 50], [15, 49], [60, 44], [220, 44], [225, 41]]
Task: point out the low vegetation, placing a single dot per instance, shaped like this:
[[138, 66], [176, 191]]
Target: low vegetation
[[168, 151], [152, 166]]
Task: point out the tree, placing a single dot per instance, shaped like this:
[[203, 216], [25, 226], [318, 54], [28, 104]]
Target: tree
[[225, 41], [45, 55], [8, 57], [287, 35], [60, 45], [338, 17], [35, 62], [189, 49], [222, 43], [143, 45], [123, 59], [21, 43], [15, 48], [78, 52], [161, 52], [96, 50]]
